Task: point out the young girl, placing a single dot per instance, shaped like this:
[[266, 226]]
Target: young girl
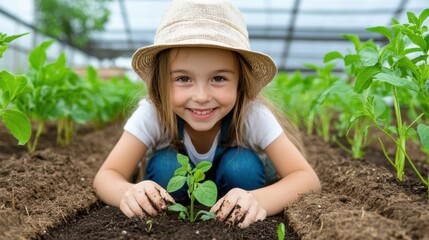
[[203, 101]]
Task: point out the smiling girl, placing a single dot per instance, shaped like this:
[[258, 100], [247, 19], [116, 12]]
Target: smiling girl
[[203, 101]]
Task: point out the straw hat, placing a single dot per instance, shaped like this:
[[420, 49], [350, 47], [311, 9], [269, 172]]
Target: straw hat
[[204, 23]]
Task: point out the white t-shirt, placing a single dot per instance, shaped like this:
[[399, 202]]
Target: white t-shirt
[[261, 128]]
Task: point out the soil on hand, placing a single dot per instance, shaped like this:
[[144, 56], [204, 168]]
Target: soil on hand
[[49, 195]]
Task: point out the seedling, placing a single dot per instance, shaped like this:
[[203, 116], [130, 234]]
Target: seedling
[[281, 231], [204, 192]]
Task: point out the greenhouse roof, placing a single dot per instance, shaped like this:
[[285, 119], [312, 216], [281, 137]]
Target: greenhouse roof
[[292, 32]]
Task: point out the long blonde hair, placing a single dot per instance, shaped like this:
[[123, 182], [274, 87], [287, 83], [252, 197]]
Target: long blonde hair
[[159, 94]]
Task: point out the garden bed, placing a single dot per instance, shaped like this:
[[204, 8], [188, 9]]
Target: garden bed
[[48, 195]]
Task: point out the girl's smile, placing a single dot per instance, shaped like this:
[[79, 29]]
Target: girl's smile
[[204, 85]]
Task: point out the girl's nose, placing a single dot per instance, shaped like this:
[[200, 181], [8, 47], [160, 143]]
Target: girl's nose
[[201, 94]]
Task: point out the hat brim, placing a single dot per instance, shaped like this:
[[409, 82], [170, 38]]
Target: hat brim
[[263, 67]]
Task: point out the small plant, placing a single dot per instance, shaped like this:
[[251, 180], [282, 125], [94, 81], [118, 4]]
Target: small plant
[[281, 231], [12, 87], [148, 227], [204, 192]]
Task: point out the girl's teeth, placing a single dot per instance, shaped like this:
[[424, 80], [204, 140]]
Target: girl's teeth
[[202, 112]]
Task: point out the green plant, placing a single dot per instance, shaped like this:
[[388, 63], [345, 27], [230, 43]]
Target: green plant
[[72, 21], [281, 231], [400, 71], [12, 87], [204, 192], [149, 224]]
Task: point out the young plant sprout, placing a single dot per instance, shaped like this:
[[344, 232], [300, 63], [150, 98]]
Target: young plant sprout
[[204, 192]]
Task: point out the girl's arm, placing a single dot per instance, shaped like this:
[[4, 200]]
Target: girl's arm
[[243, 208], [112, 182], [297, 177]]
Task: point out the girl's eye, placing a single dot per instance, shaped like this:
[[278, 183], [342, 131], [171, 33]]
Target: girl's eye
[[183, 79], [218, 79]]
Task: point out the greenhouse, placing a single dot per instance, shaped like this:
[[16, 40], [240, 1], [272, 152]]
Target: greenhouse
[[289, 119]]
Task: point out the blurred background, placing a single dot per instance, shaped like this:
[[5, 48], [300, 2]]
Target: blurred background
[[105, 33]]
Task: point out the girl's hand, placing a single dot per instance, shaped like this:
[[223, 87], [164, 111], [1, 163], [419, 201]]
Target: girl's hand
[[238, 207], [145, 198]]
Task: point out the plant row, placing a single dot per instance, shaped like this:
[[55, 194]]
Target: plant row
[[53, 92], [385, 88]]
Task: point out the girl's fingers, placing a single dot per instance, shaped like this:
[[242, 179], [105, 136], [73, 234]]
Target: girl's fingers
[[217, 205], [254, 214], [133, 205], [125, 209], [240, 210], [227, 208]]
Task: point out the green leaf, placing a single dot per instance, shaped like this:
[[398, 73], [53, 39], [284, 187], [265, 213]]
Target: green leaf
[[9, 39], [412, 18], [177, 207], [394, 80], [281, 231], [181, 171], [369, 56], [176, 183], [364, 78], [199, 176], [206, 193], [419, 41], [3, 49], [354, 39], [206, 215], [423, 16], [331, 56], [18, 124], [14, 86], [182, 159], [203, 166], [37, 57], [382, 30], [351, 59], [423, 132]]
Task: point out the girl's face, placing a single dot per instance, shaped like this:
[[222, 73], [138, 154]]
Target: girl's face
[[203, 85]]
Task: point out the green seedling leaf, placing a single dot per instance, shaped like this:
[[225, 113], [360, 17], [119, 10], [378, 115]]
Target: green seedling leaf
[[180, 171], [423, 16], [37, 57], [331, 56], [281, 231], [392, 79], [382, 30], [206, 215], [199, 176], [354, 39], [206, 193], [412, 18], [182, 159], [177, 207], [176, 183], [423, 132], [203, 166], [369, 56], [3, 49], [18, 124], [7, 39], [13, 86], [364, 78]]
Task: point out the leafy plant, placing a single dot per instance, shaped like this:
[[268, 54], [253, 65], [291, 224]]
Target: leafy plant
[[400, 71], [204, 192], [72, 21], [12, 87]]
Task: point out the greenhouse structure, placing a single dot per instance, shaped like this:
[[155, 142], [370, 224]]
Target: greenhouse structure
[[82, 122]]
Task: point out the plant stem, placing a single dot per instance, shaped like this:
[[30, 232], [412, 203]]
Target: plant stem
[[32, 146], [191, 210], [399, 156]]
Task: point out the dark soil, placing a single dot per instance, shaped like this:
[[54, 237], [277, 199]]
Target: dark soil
[[48, 195]]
